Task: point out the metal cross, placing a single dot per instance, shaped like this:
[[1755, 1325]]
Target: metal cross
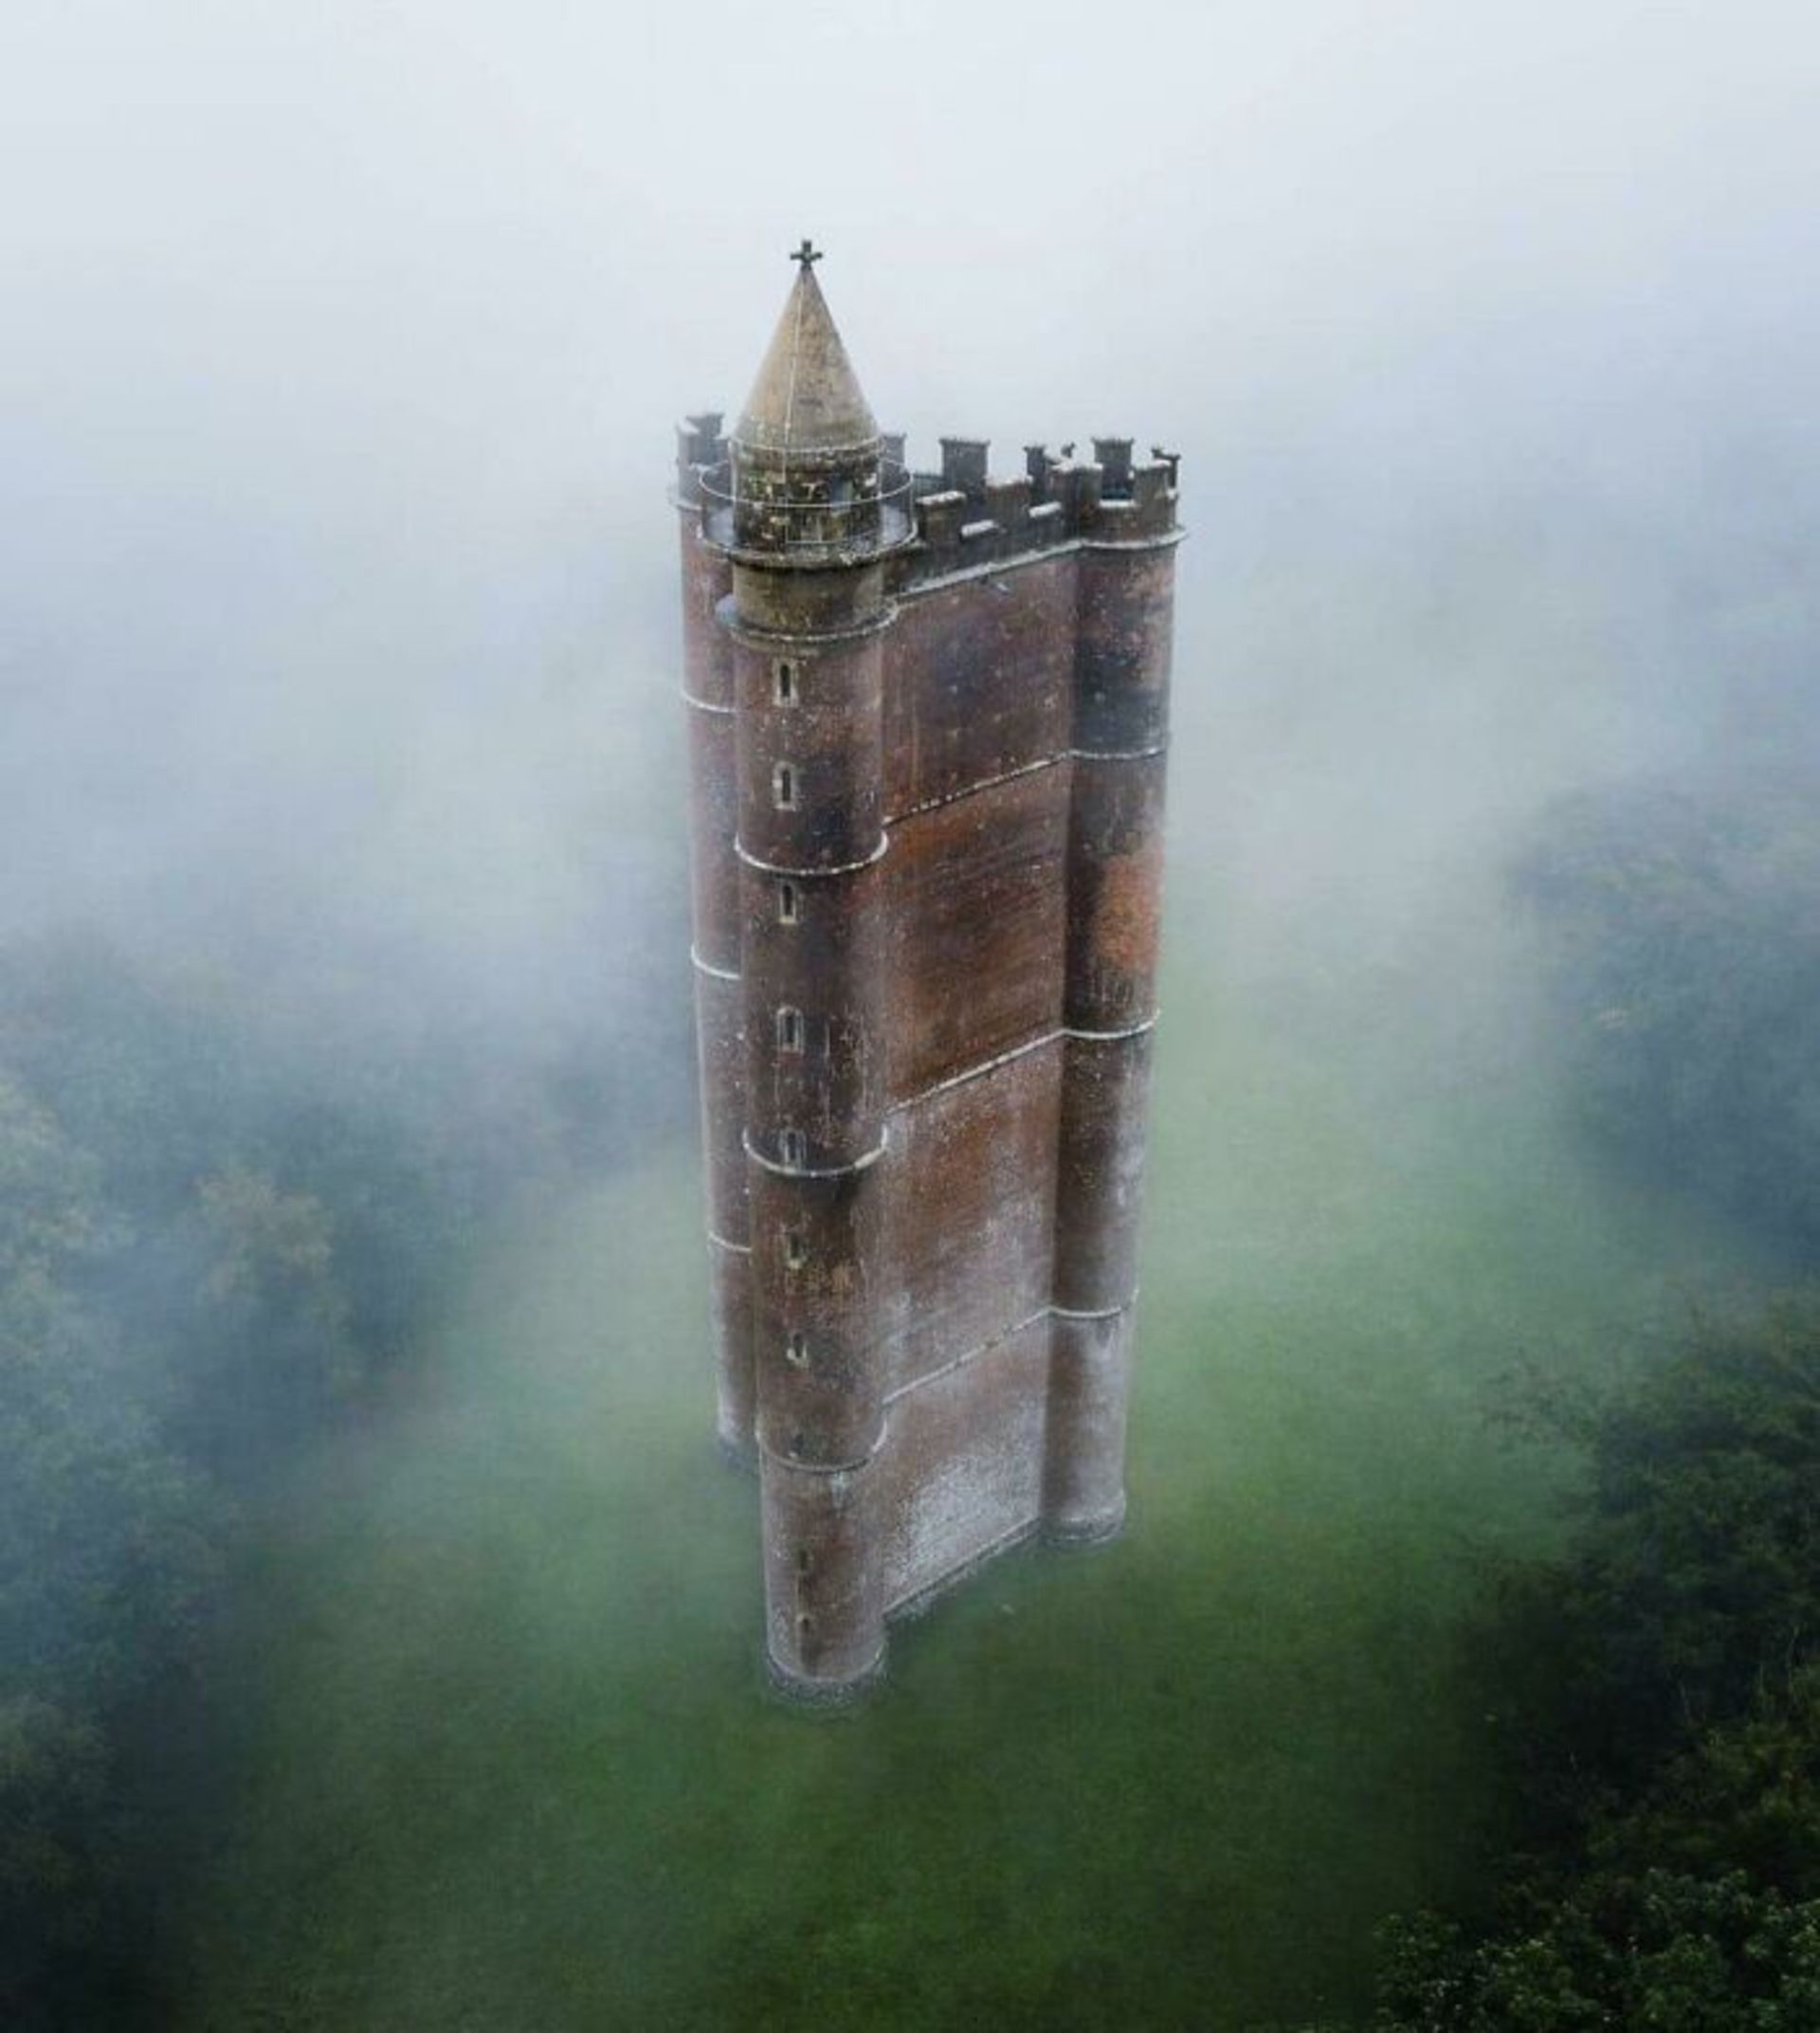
[[808, 254]]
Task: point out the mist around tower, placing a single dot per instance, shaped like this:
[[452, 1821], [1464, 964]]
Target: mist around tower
[[1304, 1280]]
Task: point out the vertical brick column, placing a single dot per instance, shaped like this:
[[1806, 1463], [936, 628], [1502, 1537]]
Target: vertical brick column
[[1113, 905], [808, 664], [708, 700]]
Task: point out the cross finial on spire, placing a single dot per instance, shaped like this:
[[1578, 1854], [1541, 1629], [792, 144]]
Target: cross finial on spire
[[808, 254]]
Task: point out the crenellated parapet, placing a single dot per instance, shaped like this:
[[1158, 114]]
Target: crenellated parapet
[[701, 447], [967, 518]]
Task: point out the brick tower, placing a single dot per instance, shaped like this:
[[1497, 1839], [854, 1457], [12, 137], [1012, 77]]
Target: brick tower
[[928, 717]]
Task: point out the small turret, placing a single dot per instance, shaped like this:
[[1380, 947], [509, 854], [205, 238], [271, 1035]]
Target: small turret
[[808, 479]]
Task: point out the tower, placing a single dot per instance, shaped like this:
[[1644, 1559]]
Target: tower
[[928, 723]]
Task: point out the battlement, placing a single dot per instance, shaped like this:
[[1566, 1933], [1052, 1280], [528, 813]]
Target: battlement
[[965, 516], [701, 447], [940, 520]]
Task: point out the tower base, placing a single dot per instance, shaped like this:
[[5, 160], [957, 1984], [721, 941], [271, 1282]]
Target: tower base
[[1075, 1531], [795, 1690]]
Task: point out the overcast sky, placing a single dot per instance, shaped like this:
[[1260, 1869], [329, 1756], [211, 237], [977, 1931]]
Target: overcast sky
[[342, 342]]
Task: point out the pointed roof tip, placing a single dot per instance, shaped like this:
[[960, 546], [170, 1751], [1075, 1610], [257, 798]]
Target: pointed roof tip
[[806, 396]]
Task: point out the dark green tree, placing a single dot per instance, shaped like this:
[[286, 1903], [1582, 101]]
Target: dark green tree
[[1657, 1690], [1683, 930]]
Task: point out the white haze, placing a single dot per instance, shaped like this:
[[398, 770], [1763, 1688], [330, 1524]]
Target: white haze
[[343, 342]]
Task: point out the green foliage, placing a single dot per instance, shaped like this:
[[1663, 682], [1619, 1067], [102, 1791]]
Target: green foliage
[[1655, 1690], [52, 1818], [1659, 1693], [207, 1256], [1745, 1796], [1653, 1949], [274, 1345], [107, 1554], [1693, 1587], [1685, 938], [47, 1204]]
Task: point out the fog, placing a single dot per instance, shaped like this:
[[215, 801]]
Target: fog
[[340, 657], [344, 343]]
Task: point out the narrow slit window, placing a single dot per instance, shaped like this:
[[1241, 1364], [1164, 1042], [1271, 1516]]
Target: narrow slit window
[[795, 1148], [790, 1030], [783, 786], [784, 674], [796, 1249], [797, 1350], [802, 1559], [789, 904]]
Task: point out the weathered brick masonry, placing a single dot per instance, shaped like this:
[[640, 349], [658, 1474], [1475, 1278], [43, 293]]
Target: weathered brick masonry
[[928, 719]]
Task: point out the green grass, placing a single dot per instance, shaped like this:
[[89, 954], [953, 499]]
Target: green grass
[[501, 1755]]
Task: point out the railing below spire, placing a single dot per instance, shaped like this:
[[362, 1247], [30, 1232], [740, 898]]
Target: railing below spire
[[813, 523]]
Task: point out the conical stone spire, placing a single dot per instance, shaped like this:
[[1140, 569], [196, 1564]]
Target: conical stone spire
[[808, 481], [806, 397]]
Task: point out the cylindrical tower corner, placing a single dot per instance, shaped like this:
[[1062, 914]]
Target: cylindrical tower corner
[[1114, 910], [824, 1636], [808, 692], [719, 1013]]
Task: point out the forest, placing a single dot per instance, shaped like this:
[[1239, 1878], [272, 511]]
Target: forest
[[220, 1248], [1655, 1686], [226, 1259]]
